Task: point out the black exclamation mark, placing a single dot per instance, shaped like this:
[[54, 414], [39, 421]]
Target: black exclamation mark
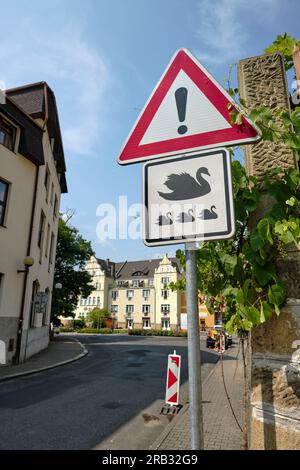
[[181, 97]]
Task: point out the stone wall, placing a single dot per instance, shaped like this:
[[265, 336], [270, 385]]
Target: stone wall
[[275, 361]]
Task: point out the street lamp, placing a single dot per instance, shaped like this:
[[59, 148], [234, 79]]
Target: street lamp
[[28, 262]]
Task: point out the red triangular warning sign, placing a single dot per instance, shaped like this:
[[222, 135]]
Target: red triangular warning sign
[[187, 111]]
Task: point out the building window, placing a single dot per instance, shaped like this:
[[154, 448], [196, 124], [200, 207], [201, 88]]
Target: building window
[[165, 309], [51, 250], [47, 181], [146, 293], [150, 282], [165, 280], [129, 309], [94, 300], [35, 290], [98, 301], [114, 294], [146, 324], [146, 309], [55, 207], [81, 301], [165, 293], [135, 283], [7, 134], [3, 200], [45, 313], [165, 325], [97, 286], [90, 300], [129, 294], [129, 324], [114, 308], [47, 240], [41, 230]]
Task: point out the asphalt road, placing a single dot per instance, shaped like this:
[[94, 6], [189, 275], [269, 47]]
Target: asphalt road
[[79, 405]]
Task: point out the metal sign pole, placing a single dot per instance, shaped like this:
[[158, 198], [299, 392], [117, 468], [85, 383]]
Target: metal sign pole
[[194, 362]]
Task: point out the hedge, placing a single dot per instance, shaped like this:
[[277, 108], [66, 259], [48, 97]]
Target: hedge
[[136, 332]]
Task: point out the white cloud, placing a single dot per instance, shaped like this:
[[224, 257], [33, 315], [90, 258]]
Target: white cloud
[[77, 74], [224, 28]]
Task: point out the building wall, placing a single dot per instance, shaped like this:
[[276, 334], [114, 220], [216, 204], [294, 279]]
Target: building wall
[[20, 173], [99, 297], [14, 238], [137, 300], [43, 268], [169, 272], [137, 284]]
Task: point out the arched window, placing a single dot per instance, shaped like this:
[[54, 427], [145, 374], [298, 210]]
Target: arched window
[[46, 308], [35, 290]]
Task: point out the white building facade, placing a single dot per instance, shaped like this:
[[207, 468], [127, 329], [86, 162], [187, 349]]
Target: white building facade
[[32, 178], [135, 293]]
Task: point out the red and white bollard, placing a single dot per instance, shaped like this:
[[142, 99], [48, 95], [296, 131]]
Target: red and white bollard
[[173, 384]]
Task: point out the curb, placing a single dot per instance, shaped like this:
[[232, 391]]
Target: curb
[[185, 408], [52, 366]]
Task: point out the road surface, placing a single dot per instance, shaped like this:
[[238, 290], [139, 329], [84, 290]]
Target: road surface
[[82, 404]]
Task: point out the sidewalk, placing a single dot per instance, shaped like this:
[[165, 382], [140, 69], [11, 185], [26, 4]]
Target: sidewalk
[[61, 350], [220, 429]]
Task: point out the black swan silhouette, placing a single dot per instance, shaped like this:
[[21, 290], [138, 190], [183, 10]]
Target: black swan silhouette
[[165, 219], [184, 186], [186, 216], [207, 214]]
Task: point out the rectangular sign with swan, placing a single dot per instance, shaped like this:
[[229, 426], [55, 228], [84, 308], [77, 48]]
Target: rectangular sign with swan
[[188, 198]]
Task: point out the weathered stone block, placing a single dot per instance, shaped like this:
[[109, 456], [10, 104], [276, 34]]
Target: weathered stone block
[[262, 82]]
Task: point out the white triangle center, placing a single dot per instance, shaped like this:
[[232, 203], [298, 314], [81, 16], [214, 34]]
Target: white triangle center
[[201, 115]]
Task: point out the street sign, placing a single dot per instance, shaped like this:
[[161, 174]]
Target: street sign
[[187, 111], [173, 379], [188, 199]]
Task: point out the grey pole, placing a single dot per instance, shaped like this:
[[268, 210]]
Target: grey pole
[[194, 363]]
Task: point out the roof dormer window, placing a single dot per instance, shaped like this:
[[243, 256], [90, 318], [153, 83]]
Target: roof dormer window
[[7, 134]]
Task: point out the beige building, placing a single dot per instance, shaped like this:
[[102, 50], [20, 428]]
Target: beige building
[[32, 178], [135, 292]]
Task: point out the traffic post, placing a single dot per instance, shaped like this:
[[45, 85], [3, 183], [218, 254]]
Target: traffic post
[[187, 194]]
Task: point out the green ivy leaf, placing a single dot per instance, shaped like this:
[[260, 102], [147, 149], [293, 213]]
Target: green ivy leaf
[[263, 228], [265, 311], [256, 241], [229, 263], [264, 274], [276, 296]]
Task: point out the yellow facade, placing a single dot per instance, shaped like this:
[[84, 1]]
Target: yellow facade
[[136, 299]]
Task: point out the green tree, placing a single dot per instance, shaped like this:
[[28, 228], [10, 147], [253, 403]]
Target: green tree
[[73, 251], [97, 316]]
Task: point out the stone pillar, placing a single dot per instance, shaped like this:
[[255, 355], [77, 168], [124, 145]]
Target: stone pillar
[[275, 345]]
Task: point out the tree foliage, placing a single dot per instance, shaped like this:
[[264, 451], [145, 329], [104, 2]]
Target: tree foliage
[[285, 45], [96, 317], [73, 251]]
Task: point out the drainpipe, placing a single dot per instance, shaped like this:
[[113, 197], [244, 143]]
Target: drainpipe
[[16, 358]]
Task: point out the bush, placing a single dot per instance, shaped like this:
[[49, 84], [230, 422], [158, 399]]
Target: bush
[[64, 329], [100, 331], [120, 331], [141, 332], [78, 323]]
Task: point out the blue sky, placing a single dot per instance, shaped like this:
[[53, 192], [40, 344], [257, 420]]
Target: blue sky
[[103, 58]]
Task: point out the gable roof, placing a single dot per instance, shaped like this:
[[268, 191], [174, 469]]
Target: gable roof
[[38, 101], [141, 269], [31, 134]]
